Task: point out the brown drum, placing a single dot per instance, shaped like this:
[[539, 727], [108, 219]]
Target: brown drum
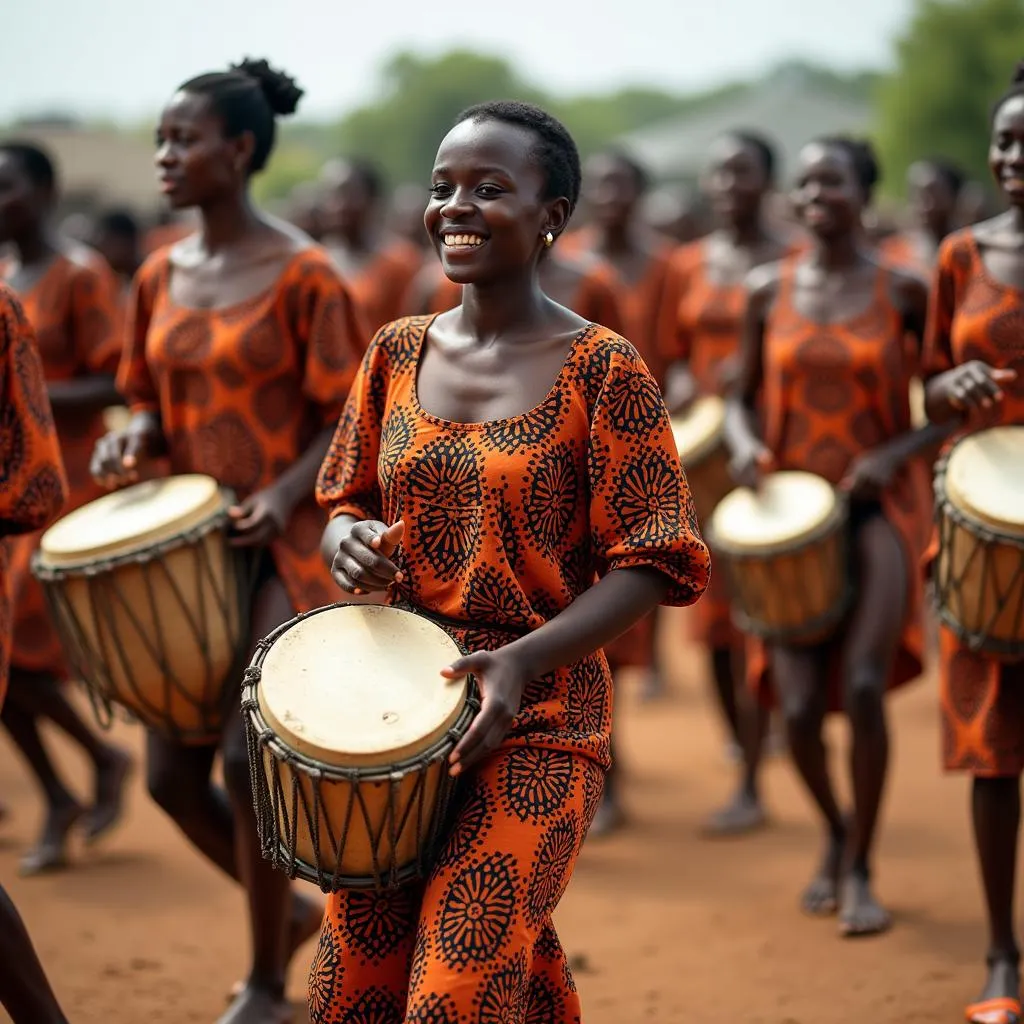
[[979, 573], [350, 725], [700, 438], [784, 548], [150, 603]]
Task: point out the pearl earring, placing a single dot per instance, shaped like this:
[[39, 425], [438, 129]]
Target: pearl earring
[[549, 239]]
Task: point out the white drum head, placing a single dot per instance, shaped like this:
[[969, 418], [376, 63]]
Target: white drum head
[[360, 685], [699, 430], [131, 520], [985, 477], [787, 507]]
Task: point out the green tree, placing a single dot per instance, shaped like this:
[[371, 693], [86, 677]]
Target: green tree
[[952, 62]]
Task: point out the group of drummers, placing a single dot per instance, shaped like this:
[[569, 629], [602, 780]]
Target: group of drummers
[[385, 516]]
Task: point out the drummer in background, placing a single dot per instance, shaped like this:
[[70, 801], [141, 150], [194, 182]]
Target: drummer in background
[[33, 493], [701, 312], [240, 350], [378, 266], [70, 297], [490, 463], [933, 194], [406, 217], [974, 365], [824, 388], [118, 239]]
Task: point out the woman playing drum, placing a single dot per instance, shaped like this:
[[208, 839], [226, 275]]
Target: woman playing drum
[[241, 347], [973, 365], [701, 312], [491, 461], [71, 298], [826, 369], [34, 488]]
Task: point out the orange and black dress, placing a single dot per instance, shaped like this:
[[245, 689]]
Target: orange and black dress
[[242, 391], [380, 288], [507, 523], [75, 313], [831, 392], [975, 316], [33, 487]]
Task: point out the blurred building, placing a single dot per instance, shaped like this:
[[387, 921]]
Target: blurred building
[[790, 108]]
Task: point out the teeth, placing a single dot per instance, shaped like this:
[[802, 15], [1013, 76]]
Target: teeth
[[453, 241]]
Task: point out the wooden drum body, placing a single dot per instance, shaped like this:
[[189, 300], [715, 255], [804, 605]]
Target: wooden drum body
[[979, 572], [700, 438], [784, 548], [148, 599], [350, 725]]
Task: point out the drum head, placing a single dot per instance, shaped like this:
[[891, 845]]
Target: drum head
[[788, 507], [130, 520], [698, 431], [985, 478], [360, 685]]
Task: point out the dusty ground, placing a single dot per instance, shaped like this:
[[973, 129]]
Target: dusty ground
[[667, 927]]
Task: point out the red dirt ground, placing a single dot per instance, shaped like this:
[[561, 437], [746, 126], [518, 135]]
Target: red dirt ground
[[663, 926]]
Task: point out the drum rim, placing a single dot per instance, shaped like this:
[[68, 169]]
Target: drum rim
[[944, 506], [836, 517], [48, 572]]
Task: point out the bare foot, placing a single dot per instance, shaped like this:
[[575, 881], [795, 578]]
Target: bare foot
[[106, 812], [861, 914], [307, 916], [258, 1006], [821, 897], [50, 853], [995, 1005], [741, 815], [608, 818]]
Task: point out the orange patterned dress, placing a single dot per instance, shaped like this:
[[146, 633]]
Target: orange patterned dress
[[380, 288], [507, 523], [243, 390], [900, 250], [831, 392], [33, 487], [975, 316], [75, 313]]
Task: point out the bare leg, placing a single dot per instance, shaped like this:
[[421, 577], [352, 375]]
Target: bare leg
[[868, 651], [25, 992], [995, 806], [748, 723], [800, 678], [262, 998]]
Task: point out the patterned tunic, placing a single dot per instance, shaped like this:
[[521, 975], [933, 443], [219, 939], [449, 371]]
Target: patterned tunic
[[75, 312], [243, 390], [32, 483], [508, 522], [830, 393], [975, 316]]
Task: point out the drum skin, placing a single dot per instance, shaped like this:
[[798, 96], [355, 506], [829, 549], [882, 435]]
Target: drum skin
[[700, 439], [349, 796], [792, 586], [153, 624], [979, 572]]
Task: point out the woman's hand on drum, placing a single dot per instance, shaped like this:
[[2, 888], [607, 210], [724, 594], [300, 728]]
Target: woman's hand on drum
[[750, 462], [870, 473], [973, 385], [256, 521], [502, 680], [363, 563], [118, 455]]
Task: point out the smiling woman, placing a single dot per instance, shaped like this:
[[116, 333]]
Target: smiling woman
[[492, 462]]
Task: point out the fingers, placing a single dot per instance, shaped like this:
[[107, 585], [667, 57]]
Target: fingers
[[369, 570], [350, 585], [974, 386], [389, 540], [464, 666], [1004, 376], [107, 465], [489, 728]]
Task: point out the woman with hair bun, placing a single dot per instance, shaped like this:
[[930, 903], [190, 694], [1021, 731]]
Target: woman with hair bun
[[974, 371], [242, 344], [824, 387]]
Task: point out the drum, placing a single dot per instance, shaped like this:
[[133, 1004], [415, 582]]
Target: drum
[[150, 602], [979, 572], [350, 725], [700, 438], [784, 548]]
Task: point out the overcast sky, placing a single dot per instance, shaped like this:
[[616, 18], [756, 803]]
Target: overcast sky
[[121, 58]]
